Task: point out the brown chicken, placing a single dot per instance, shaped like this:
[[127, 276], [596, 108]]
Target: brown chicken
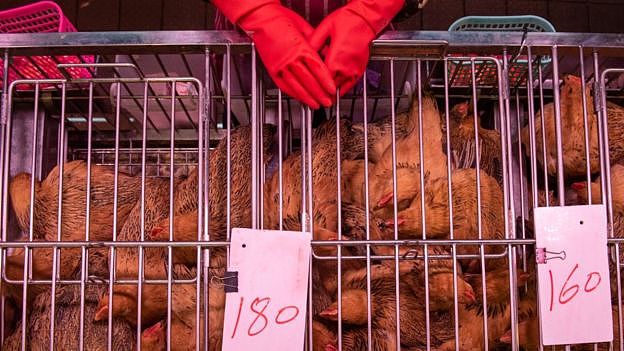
[[617, 190], [573, 131], [544, 198], [529, 338], [464, 196], [67, 322], [322, 336], [412, 319], [354, 307], [325, 296], [412, 274], [379, 140], [408, 153], [441, 287], [11, 316], [440, 293], [74, 202], [323, 170], [154, 301], [380, 132], [353, 178], [497, 287], [354, 227], [183, 322], [69, 267], [155, 259], [463, 145], [240, 161], [528, 334], [471, 330], [498, 300], [185, 229], [328, 268], [324, 272], [240, 179], [154, 338], [351, 138], [356, 339], [324, 176]]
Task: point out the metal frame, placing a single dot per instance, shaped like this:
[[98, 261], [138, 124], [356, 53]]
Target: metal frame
[[426, 52]]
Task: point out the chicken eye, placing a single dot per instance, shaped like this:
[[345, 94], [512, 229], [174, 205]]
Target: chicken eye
[[403, 204]]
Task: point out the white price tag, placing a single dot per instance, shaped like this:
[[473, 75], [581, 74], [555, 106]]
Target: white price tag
[[573, 274], [268, 311]]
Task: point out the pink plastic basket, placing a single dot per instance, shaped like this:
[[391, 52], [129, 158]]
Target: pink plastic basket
[[40, 17]]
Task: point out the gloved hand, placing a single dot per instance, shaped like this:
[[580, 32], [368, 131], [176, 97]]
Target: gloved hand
[[350, 30], [280, 38]]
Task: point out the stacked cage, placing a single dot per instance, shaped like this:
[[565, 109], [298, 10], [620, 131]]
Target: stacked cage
[[418, 186]]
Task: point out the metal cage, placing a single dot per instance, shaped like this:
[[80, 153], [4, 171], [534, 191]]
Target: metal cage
[[187, 125]]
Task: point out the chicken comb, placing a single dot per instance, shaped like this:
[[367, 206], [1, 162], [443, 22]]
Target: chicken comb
[[153, 329], [578, 186], [572, 79], [156, 232], [462, 107]]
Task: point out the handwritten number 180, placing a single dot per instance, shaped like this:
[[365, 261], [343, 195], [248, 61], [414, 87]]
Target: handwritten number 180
[[285, 315], [566, 294]]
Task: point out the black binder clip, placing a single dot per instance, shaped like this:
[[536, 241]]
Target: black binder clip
[[541, 255], [230, 281]]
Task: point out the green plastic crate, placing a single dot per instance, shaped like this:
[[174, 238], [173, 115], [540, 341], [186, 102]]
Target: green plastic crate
[[485, 71], [502, 24]]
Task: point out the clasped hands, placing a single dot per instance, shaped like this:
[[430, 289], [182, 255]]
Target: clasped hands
[[289, 47]]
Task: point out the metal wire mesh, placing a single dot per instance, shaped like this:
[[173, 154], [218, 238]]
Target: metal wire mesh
[[423, 188]]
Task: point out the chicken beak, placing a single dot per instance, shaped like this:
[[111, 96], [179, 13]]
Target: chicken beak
[[384, 201], [330, 313], [153, 329], [101, 313], [578, 186], [506, 338], [390, 222], [470, 296], [523, 277]]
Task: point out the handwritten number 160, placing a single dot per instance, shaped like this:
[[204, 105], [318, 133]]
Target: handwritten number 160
[[566, 294], [285, 315]]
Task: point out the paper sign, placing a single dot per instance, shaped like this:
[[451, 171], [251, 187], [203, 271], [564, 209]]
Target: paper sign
[[573, 274], [268, 312]]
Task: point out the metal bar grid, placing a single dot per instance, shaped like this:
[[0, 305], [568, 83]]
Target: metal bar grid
[[425, 248]]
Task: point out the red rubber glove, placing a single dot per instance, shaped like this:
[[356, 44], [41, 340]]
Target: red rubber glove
[[350, 30], [281, 36]]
